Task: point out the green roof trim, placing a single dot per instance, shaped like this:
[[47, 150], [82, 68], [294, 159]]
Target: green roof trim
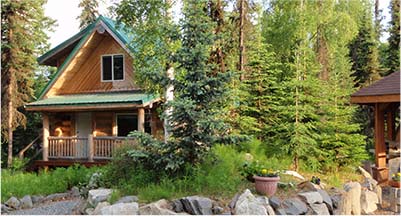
[[139, 98], [119, 32]]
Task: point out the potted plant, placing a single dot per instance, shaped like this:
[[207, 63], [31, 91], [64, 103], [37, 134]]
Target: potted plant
[[395, 180], [266, 181], [249, 169]]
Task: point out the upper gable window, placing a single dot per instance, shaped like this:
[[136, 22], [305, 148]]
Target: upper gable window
[[112, 67]]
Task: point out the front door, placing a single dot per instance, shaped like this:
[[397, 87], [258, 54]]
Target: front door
[[84, 124]]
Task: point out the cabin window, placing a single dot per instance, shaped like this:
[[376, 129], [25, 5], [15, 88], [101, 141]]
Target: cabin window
[[112, 67], [126, 123]]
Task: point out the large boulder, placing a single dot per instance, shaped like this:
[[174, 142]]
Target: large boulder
[[26, 202], [326, 199], [127, 199], [395, 194], [99, 207], [5, 209], [247, 204], [319, 208], [37, 199], [121, 209], [275, 202], [350, 202], [13, 202], [369, 201], [160, 207], [294, 206], [311, 197], [177, 205], [394, 166], [197, 205], [98, 195]]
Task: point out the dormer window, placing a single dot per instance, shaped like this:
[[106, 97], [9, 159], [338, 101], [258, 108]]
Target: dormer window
[[112, 67]]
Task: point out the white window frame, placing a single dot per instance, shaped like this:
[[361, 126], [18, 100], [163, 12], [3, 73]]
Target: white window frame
[[112, 67]]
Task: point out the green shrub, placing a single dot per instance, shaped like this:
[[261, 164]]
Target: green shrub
[[59, 180]]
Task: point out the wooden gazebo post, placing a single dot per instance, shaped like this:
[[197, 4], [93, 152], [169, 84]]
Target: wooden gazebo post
[[380, 171]]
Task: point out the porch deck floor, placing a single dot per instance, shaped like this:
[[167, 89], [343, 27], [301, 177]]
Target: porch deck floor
[[66, 163]]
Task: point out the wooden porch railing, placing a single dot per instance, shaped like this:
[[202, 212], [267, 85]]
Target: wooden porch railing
[[86, 148], [103, 147], [68, 147]]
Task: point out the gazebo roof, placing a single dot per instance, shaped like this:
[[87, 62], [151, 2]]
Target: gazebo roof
[[385, 90]]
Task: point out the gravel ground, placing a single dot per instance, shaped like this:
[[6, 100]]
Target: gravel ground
[[54, 208]]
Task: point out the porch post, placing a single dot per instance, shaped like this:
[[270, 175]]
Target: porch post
[[45, 152], [390, 125], [141, 119], [90, 148], [380, 172]]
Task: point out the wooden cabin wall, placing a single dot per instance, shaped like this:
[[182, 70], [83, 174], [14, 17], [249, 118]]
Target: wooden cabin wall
[[83, 74]]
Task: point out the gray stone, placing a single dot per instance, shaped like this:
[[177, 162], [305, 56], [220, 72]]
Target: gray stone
[[294, 206], [308, 186], [13, 202], [37, 199], [326, 199], [280, 211], [82, 206], [247, 204], [99, 207], [177, 206], [369, 183], [5, 209], [311, 197], [56, 196], [127, 199], [336, 199], [275, 202], [369, 201], [98, 195], [395, 199], [270, 210], [378, 191], [393, 166], [217, 210], [319, 209], [89, 211], [197, 205], [26, 202], [365, 173], [160, 207], [350, 199], [121, 209], [231, 205], [75, 192]]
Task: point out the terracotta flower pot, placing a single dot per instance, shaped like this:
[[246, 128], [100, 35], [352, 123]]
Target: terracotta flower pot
[[393, 183], [266, 185]]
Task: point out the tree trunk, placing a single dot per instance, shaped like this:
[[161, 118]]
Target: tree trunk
[[241, 39], [10, 124]]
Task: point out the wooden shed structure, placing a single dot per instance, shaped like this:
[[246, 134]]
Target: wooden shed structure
[[384, 97]]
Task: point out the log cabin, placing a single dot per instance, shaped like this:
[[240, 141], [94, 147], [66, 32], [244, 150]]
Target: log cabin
[[93, 102]]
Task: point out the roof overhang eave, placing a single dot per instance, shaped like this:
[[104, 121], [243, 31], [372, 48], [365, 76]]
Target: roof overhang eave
[[372, 99]]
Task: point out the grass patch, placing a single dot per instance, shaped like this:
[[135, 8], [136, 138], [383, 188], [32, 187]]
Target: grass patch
[[59, 180]]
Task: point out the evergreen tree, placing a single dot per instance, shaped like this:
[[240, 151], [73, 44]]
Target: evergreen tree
[[23, 38], [393, 52], [89, 12], [198, 89], [364, 50]]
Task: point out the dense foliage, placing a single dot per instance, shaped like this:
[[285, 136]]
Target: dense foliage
[[89, 12]]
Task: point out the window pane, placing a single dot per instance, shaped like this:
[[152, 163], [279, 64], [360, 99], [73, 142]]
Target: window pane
[[118, 67], [126, 124], [106, 62]]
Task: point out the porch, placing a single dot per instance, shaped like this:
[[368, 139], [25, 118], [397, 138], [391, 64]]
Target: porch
[[88, 129]]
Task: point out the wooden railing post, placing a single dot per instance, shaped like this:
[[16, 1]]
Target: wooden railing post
[[141, 119], [46, 133], [90, 148]]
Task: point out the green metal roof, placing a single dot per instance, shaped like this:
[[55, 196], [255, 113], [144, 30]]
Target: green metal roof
[[118, 29], [95, 98]]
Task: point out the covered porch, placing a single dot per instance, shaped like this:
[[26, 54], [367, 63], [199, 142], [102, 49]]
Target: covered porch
[[90, 127], [384, 97]]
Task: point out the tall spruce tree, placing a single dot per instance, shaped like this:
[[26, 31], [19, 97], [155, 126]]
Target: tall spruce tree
[[364, 50], [393, 51], [198, 89], [89, 12], [23, 38]]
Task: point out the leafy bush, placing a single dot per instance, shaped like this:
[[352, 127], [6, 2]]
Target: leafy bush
[[59, 180]]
